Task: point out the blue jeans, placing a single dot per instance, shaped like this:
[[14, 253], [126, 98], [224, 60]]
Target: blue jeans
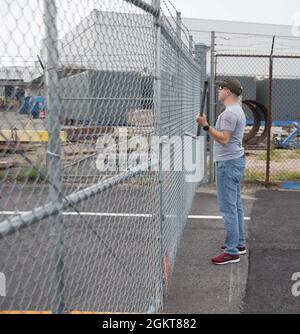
[[229, 176]]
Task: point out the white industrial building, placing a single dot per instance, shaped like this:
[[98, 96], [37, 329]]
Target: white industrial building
[[110, 41], [198, 27], [125, 42]]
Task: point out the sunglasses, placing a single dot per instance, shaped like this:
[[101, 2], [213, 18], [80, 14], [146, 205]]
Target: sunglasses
[[221, 88]]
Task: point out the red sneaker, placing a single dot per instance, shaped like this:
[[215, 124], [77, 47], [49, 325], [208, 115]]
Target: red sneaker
[[242, 250], [224, 258]]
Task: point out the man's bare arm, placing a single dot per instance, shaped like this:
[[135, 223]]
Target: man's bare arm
[[222, 137]]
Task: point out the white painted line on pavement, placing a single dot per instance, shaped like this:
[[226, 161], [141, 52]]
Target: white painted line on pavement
[[117, 215], [95, 214], [212, 217]]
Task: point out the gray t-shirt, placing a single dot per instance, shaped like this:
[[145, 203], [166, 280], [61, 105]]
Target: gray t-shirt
[[233, 120]]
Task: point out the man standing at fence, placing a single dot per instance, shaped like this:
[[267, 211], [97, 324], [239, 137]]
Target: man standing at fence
[[229, 156]]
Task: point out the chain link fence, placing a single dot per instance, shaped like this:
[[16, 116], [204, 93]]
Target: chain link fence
[[98, 108], [268, 68]]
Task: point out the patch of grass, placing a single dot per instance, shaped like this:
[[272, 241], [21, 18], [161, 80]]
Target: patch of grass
[[281, 155], [276, 156], [261, 156], [286, 176], [294, 154], [254, 176], [31, 175], [3, 174]]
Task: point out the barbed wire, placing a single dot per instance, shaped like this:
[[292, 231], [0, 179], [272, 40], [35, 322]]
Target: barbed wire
[[175, 21]]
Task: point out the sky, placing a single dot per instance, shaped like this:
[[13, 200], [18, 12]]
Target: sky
[[258, 11]]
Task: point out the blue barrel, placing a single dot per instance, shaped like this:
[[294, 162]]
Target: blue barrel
[[25, 106], [32, 105]]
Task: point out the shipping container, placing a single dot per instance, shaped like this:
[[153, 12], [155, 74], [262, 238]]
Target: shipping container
[[104, 98], [285, 99]]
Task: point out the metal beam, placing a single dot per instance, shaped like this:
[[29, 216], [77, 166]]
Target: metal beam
[[145, 6], [10, 226], [13, 225]]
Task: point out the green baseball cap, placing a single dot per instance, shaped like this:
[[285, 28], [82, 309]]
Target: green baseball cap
[[234, 85]]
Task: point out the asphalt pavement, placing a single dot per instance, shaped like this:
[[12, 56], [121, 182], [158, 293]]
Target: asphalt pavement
[[262, 282], [197, 286], [274, 254]]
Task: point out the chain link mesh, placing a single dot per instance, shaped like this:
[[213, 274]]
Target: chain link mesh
[[84, 85], [248, 58]]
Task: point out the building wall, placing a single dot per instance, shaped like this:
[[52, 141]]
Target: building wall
[[110, 42], [286, 99], [105, 97], [35, 91], [198, 26], [120, 43], [2, 92]]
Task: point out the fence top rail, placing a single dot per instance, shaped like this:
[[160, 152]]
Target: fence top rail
[[145, 6], [237, 55], [222, 33], [16, 223]]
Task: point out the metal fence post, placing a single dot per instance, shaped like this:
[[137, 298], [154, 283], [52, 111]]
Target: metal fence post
[[201, 51], [191, 44], [54, 153], [158, 128], [270, 120], [212, 108], [178, 65], [179, 74], [178, 68], [76, 165]]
